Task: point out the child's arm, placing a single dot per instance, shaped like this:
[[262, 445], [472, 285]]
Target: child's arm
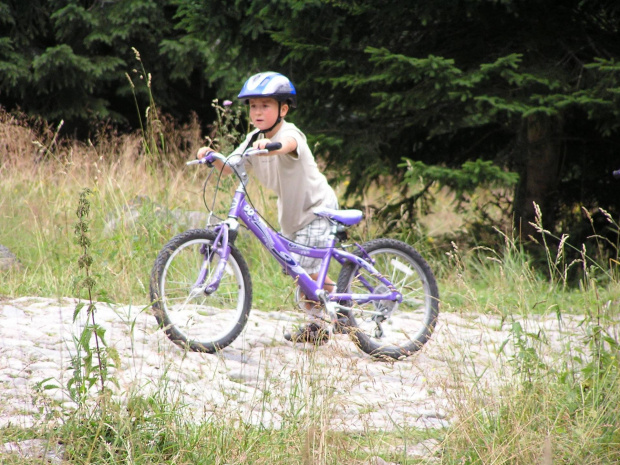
[[289, 144]]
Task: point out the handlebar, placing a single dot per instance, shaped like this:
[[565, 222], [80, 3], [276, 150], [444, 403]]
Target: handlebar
[[211, 156], [271, 146]]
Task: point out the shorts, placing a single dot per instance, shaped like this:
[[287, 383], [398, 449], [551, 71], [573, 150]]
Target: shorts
[[314, 234]]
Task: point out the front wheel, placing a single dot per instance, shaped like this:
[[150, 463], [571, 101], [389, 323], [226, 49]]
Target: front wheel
[[192, 318], [389, 328]]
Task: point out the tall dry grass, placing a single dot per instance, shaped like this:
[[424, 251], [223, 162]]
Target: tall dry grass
[[561, 407], [42, 174], [137, 199]]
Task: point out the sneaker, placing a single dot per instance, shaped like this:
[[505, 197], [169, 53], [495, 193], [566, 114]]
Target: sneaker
[[311, 333], [342, 325]]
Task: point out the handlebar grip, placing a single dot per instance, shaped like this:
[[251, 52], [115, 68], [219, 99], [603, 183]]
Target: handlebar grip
[[616, 174], [207, 159], [273, 146]]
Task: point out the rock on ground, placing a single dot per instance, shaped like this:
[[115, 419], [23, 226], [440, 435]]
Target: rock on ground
[[8, 259]]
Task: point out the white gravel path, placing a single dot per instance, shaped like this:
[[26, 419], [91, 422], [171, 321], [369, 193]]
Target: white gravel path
[[261, 378]]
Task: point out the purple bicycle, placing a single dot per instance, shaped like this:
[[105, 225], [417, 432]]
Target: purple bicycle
[[386, 295]]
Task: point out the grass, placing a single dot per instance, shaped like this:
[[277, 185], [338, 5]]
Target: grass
[[553, 404]]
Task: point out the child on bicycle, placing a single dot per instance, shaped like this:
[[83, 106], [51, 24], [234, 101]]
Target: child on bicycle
[[292, 174]]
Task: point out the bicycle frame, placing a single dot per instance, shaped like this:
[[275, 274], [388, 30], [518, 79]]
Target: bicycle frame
[[281, 248], [201, 285]]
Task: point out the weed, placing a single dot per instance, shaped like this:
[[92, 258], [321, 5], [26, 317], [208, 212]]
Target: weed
[[90, 363], [555, 404]]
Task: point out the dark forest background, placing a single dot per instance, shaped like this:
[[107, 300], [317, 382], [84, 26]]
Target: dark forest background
[[518, 94]]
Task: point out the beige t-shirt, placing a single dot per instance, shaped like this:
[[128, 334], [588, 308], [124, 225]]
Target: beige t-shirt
[[294, 177]]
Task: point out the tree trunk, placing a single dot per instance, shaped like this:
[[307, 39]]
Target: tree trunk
[[540, 174]]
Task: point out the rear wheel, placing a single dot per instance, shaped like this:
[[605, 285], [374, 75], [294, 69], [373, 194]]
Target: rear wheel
[[194, 319], [389, 328]]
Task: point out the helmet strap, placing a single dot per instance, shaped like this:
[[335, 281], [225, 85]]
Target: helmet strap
[[265, 131]]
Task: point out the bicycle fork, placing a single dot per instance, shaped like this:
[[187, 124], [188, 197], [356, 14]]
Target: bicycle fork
[[221, 249]]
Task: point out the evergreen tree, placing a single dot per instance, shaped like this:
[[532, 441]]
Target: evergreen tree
[[69, 59], [531, 85], [446, 87]]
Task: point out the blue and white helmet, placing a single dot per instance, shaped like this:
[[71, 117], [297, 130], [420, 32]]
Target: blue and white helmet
[[269, 84]]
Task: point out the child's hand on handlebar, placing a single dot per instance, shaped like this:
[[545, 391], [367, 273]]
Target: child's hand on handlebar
[[287, 145], [213, 159], [202, 151], [261, 144]]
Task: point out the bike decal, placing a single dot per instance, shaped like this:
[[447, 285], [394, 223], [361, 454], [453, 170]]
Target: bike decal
[[259, 225], [287, 260], [249, 210], [299, 249]]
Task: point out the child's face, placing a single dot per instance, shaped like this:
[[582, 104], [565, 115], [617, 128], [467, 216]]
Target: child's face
[[264, 112]]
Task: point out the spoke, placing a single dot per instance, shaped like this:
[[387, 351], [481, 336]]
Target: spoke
[[399, 284], [413, 295], [183, 283], [405, 279]]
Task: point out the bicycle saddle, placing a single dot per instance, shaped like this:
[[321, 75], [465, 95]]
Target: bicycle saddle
[[346, 217]]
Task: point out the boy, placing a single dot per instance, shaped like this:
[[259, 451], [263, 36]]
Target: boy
[[292, 173]]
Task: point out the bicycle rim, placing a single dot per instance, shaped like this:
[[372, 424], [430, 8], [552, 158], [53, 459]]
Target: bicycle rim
[[395, 329], [201, 321]]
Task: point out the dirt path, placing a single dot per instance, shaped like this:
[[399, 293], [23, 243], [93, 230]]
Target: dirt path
[[261, 378]]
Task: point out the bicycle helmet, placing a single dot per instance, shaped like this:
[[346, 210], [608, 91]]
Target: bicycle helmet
[[269, 84]]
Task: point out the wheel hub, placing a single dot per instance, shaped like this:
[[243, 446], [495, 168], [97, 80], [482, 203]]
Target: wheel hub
[[384, 308]]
